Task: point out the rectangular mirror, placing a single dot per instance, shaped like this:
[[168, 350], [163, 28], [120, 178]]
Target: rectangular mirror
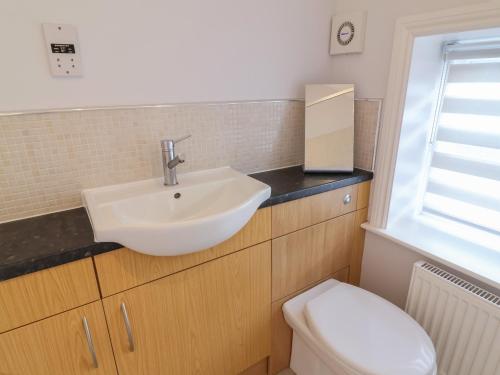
[[329, 128]]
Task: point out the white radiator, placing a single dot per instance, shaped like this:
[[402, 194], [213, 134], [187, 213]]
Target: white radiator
[[462, 320]]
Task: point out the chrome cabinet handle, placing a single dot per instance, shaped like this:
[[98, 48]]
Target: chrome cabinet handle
[[90, 343], [131, 345], [347, 198]]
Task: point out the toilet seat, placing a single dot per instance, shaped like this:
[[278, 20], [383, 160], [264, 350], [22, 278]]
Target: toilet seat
[[369, 333], [342, 329]]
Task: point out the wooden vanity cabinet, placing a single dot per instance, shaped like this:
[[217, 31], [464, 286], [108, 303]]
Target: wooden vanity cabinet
[[59, 345], [212, 312], [211, 319]]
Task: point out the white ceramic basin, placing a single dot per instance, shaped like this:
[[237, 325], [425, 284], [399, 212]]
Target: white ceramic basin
[[148, 217]]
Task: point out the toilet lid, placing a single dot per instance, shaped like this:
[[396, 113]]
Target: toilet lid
[[369, 333]]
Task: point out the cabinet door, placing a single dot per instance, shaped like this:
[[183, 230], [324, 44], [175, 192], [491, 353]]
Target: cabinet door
[[210, 319], [306, 256], [59, 345]]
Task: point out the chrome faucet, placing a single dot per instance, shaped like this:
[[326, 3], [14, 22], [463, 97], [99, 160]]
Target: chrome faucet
[[170, 160]]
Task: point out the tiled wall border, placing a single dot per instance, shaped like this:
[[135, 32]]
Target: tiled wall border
[[143, 106]]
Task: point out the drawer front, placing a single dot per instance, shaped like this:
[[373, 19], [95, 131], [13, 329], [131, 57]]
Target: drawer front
[[309, 255], [123, 269], [38, 295], [301, 213]]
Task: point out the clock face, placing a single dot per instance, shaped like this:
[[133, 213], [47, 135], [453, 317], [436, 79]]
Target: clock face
[[345, 33]]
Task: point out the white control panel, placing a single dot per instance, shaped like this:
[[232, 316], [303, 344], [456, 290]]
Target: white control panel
[[63, 50], [348, 33]]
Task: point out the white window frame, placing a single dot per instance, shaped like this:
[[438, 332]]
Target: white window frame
[[406, 30], [484, 266]]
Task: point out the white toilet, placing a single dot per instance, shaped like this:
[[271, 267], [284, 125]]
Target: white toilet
[[341, 329]]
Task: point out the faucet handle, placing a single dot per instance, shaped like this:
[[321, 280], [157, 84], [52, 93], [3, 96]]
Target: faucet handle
[[183, 138], [168, 144]]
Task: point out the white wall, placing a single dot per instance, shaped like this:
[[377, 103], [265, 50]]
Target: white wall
[[161, 51], [387, 268], [370, 70]]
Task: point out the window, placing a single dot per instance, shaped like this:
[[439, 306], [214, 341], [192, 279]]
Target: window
[[463, 179], [436, 190]]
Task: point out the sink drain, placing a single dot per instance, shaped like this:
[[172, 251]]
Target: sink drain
[[177, 195]]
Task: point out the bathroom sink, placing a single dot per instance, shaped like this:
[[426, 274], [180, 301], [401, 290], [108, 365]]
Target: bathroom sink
[[203, 210]]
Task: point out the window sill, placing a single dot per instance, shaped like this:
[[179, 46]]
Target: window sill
[[421, 236]]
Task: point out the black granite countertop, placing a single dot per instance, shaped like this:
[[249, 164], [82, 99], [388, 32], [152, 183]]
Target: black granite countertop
[[292, 183], [41, 242]]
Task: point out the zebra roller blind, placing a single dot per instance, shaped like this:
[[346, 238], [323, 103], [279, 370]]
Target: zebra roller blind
[[463, 182]]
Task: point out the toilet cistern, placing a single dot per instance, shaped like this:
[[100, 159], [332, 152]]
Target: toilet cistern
[[170, 160]]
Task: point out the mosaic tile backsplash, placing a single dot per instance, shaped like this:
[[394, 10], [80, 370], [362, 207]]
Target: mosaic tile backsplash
[[47, 159], [366, 124]]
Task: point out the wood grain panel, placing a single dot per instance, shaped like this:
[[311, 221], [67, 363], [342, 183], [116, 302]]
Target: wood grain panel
[[260, 368], [211, 319], [58, 346], [308, 255], [294, 215], [359, 244], [363, 195], [35, 296], [281, 333], [123, 269]]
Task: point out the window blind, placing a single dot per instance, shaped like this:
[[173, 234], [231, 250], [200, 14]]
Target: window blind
[[463, 182]]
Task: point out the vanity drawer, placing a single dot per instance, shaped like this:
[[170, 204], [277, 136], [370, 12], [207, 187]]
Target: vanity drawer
[[301, 213], [304, 257], [38, 295], [124, 269]]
